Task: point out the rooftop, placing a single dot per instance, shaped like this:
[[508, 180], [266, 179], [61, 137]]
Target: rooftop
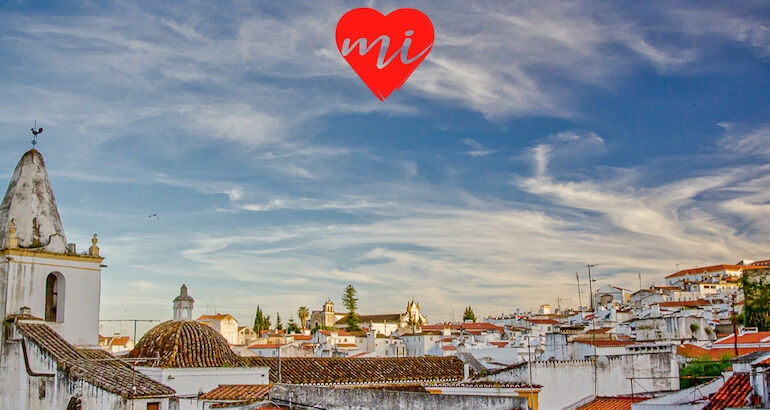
[[112, 376], [732, 394], [612, 403], [363, 370], [239, 393], [185, 343]]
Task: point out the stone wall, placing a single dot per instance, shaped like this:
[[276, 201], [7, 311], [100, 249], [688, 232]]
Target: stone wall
[[352, 398]]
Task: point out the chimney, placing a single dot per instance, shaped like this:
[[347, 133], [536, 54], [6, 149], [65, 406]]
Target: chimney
[[466, 371], [72, 248], [25, 310]]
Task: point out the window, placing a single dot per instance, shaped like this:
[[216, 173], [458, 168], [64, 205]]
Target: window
[[54, 297], [153, 406]]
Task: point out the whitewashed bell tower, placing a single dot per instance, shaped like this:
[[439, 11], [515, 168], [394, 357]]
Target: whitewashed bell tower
[[183, 305], [38, 268]]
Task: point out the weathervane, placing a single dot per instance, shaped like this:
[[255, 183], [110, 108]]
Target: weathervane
[[35, 133]]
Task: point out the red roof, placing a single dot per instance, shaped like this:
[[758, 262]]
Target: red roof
[[598, 331], [686, 303], [542, 321], [693, 352], [499, 344], [765, 262], [758, 337], [612, 403], [245, 393], [707, 269], [606, 343], [216, 317], [302, 337], [448, 348], [264, 346], [732, 394]]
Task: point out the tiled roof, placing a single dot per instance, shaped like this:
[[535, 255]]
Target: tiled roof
[[108, 375], [543, 321], [693, 352], [113, 341], [758, 337], [612, 403], [448, 348], [363, 370], [606, 343], [216, 317], [686, 303], [732, 394], [185, 343], [707, 269], [302, 337], [241, 393], [464, 326], [598, 331], [264, 346], [765, 262], [499, 344]]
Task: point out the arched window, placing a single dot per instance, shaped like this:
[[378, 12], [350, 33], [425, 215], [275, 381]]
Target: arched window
[[54, 297]]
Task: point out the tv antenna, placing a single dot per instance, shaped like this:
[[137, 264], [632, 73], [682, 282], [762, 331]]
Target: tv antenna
[[35, 132]]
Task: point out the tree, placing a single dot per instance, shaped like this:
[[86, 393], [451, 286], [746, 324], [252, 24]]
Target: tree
[[292, 327], [756, 310], [302, 314], [469, 315], [267, 322], [278, 324], [702, 370], [260, 323], [350, 301]]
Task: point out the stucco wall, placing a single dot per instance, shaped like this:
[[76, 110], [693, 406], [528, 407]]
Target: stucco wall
[[350, 398], [567, 382], [18, 390], [26, 285]]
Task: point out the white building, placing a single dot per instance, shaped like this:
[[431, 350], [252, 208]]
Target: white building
[[41, 270], [224, 324]]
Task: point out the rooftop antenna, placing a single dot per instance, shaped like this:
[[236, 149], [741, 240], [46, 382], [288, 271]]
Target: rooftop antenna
[[35, 133]]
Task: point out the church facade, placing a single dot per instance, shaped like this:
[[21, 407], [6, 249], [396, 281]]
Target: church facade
[[384, 324]]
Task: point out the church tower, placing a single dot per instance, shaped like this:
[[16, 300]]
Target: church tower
[[38, 268], [183, 305]]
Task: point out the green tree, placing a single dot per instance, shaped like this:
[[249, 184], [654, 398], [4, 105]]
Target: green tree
[[702, 370], [267, 322], [350, 301], [259, 322], [278, 324], [756, 310], [469, 315], [292, 326], [302, 314]]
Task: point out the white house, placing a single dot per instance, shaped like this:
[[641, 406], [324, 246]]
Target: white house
[[224, 324]]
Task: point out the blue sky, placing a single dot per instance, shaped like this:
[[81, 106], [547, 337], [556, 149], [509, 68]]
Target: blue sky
[[535, 138]]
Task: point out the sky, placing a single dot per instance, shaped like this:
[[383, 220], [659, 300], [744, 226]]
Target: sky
[[535, 138]]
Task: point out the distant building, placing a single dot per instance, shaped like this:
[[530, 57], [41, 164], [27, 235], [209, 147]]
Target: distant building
[[116, 344], [224, 324], [384, 323]]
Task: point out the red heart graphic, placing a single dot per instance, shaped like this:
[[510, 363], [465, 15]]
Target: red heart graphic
[[384, 50]]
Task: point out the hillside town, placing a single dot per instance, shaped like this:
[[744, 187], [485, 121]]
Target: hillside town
[[622, 349]]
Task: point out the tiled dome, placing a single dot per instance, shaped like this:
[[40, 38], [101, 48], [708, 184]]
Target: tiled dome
[[185, 343]]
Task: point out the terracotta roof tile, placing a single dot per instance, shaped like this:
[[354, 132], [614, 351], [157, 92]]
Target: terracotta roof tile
[[109, 375], [686, 303], [186, 343], [706, 269], [758, 337], [332, 370], [612, 403], [732, 394], [243, 393]]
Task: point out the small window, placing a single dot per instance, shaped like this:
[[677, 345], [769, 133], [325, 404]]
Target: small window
[[153, 406]]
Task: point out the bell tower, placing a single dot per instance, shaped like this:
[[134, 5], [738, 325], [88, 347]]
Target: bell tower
[[39, 269], [183, 305]]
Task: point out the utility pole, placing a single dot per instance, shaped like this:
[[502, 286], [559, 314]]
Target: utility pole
[[580, 300], [593, 324], [735, 328]]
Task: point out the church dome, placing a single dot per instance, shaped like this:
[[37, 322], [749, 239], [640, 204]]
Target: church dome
[[185, 343]]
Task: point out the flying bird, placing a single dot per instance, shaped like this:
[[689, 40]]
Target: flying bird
[[155, 215]]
